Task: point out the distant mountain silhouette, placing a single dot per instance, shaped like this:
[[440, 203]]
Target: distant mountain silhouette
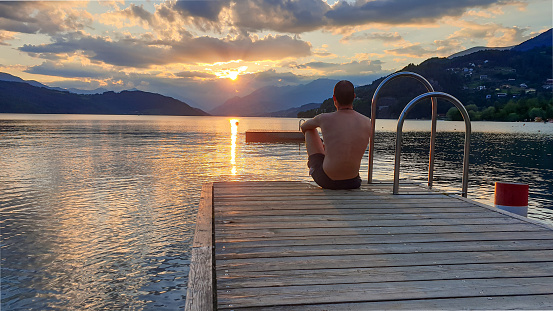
[[291, 112], [11, 78], [478, 49], [22, 97], [545, 39], [270, 99]]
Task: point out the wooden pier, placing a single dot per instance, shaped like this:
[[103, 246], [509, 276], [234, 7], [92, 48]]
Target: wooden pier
[[274, 136], [294, 246]]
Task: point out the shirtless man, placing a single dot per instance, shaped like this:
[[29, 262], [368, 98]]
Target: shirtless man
[[335, 165]]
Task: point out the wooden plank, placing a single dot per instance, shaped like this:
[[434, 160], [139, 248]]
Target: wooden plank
[[381, 260], [261, 192], [229, 225], [496, 210], [526, 302], [238, 243], [422, 198], [266, 233], [199, 295], [297, 295], [405, 207], [339, 205], [383, 274], [371, 249], [355, 210], [300, 184], [254, 218]]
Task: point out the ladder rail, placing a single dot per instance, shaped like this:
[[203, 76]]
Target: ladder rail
[[466, 118], [429, 88]]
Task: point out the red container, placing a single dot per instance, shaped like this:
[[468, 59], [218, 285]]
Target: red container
[[512, 197]]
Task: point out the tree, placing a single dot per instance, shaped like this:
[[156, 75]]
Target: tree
[[488, 114], [513, 117], [454, 114], [536, 113]]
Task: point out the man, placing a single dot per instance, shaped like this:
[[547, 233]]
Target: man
[[335, 165]]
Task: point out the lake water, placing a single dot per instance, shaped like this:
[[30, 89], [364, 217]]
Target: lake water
[[98, 212]]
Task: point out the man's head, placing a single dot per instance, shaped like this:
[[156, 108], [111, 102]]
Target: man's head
[[344, 93]]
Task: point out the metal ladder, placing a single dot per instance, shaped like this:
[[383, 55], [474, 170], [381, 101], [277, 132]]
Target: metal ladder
[[433, 97]]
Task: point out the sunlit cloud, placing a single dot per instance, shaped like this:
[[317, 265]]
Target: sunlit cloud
[[6, 36], [380, 36], [341, 69]]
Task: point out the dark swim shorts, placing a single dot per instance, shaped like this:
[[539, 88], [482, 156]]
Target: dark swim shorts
[[315, 164]]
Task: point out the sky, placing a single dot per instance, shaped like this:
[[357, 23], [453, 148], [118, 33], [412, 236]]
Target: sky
[[205, 52]]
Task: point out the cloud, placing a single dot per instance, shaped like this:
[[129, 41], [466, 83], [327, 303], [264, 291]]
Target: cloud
[[6, 36], [496, 35], [380, 36], [279, 15], [440, 48], [353, 68], [69, 70], [142, 53], [196, 75], [397, 12], [288, 16], [42, 16], [208, 10]]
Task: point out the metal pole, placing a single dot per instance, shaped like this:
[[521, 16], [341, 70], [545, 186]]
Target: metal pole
[[468, 130], [429, 88], [432, 141]]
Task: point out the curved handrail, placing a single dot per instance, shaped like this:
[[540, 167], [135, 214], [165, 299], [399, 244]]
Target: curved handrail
[[466, 118], [299, 125], [429, 88]]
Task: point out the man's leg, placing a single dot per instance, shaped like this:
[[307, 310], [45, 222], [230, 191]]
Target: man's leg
[[313, 142]]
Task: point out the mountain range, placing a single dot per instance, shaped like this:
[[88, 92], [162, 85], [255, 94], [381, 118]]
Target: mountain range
[[270, 99], [24, 97]]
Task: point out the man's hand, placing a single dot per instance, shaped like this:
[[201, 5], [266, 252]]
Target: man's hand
[[310, 124]]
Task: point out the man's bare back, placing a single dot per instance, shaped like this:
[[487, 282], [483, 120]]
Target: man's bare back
[[346, 136]]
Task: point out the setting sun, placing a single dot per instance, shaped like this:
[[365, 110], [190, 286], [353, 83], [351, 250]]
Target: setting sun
[[233, 75]]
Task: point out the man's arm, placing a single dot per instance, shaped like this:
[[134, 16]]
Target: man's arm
[[310, 124]]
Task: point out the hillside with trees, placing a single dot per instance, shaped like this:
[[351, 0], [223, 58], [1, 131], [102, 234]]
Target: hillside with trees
[[22, 97], [494, 85]]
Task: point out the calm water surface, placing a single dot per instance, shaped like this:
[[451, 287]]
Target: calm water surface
[[98, 212]]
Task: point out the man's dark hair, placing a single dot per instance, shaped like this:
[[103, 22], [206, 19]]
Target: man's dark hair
[[344, 92]]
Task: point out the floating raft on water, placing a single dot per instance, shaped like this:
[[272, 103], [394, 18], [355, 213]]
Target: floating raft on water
[[295, 246], [274, 136]]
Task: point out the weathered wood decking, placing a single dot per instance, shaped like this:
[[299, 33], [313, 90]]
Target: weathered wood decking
[[294, 246]]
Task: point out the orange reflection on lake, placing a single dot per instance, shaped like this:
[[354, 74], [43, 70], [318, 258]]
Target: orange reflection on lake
[[234, 133]]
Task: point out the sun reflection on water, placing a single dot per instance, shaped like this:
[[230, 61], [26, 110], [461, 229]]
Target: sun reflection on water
[[234, 133]]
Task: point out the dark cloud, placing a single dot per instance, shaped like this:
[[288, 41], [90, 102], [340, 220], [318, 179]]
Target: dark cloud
[[292, 16], [41, 17], [125, 52], [280, 15], [401, 11], [209, 10], [50, 68], [138, 12], [195, 74], [138, 53]]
